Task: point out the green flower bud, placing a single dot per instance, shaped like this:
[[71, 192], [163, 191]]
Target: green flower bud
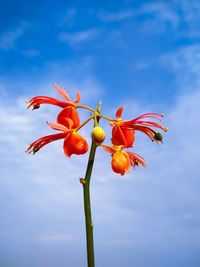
[[98, 135]]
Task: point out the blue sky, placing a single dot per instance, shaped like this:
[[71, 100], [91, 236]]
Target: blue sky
[[141, 54]]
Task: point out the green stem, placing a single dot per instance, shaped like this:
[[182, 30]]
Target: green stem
[[87, 207]]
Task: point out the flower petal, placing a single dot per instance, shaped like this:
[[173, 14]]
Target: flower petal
[[117, 136], [58, 126], [75, 144], [119, 113], [78, 97], [62, 93], [68, 113], [120, 162], [107, 149], [129, 136]]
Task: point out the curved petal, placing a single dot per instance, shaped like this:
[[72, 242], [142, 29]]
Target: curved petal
[[62, 93], [119, 113], [107, 149], [66, 146], [129, 136], [58, 126], [75, 144], [69, 113], [117, 136], [69, 122], [78, 97]]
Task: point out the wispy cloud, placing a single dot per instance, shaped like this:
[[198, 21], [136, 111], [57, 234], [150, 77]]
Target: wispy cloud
[[9, 38], [78, 37], [162, 15], [186, 64], [118, 16]]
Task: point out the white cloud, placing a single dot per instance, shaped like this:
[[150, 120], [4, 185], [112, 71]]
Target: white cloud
[[9, 38], [78, 37], [118, 16]]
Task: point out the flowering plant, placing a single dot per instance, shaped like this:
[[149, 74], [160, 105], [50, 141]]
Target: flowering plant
[[123, 137]]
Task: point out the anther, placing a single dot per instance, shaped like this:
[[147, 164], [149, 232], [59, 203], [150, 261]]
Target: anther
[[36, 106], [35, 149], [158, 136]]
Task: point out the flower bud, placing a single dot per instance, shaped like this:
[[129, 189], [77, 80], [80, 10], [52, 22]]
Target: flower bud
[[158, 136], [98, 135]]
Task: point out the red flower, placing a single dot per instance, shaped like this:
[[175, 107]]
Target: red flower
[[36, 101], [123, 160], [123, 131], [74, 143]]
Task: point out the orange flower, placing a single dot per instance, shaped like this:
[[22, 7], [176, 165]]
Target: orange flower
[[123, 160], [123, 131], [74, 143]]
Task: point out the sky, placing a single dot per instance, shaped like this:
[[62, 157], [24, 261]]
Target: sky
[[140, 54]]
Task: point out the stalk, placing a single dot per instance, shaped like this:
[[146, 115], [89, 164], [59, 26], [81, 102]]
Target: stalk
[[87, 207]]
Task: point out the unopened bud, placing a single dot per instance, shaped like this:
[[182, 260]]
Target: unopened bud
[[98, 135], [158, 136]]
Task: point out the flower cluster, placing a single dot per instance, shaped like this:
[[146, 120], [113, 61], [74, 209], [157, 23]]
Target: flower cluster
[[123, 132]]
